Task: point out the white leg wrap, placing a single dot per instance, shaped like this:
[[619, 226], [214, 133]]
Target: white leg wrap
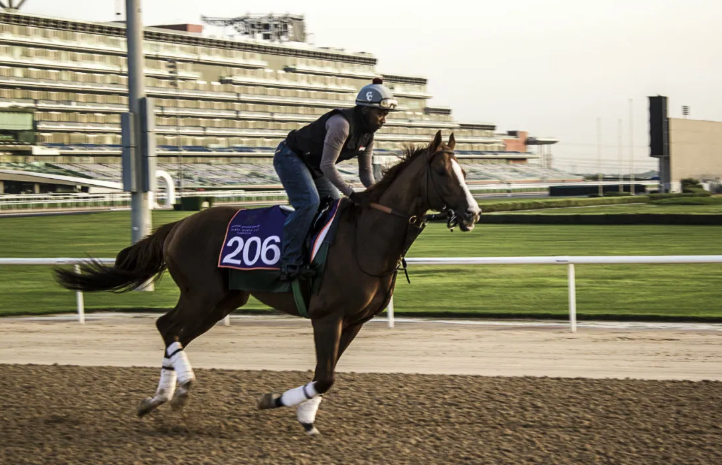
[[300, 394], [166, 386], [306, 412], [180, 363]]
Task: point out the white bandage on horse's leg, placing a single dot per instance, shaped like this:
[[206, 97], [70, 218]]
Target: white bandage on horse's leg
[[297, 395], [166, 386], [306, 412], [180, 363]]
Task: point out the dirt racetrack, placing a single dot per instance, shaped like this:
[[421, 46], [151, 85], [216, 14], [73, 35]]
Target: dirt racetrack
[[67, 414]]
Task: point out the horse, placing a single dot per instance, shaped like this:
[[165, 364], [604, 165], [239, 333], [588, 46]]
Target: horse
[[357, 283]]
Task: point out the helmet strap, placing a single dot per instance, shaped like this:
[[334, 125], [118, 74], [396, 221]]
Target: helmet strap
[[362, 119]]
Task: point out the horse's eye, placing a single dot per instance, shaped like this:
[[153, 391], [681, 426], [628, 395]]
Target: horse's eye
[[441, 172]]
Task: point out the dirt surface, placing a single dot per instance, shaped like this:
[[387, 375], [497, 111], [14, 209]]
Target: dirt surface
[[86, 415], [431, 348], [382, 410]]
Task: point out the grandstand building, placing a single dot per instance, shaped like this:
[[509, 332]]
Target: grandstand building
[[222, 105]]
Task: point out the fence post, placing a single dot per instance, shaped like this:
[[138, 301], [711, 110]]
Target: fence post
[[79, 299], [390, 312], [572, 299], [227, 320]]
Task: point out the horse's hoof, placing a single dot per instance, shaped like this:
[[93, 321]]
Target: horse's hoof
[[146, 406], [269, 401], [181, 395], [310, 429]]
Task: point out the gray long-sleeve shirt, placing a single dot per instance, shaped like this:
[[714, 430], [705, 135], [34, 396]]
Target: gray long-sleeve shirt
[[337, 130]]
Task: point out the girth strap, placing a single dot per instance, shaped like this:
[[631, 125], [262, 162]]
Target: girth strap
[[298, 298]]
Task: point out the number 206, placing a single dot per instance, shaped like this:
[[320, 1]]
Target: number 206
[[262, 251]]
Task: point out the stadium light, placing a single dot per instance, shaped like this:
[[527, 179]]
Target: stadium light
[[143, 172], [11, 6], [173, 71]]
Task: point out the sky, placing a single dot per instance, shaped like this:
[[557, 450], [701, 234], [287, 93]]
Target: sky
[[550, 67]]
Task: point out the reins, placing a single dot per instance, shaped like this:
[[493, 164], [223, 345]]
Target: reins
[[412, 221]]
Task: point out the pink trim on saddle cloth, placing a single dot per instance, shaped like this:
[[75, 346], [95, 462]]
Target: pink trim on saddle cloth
[[220, 254], [322, 236]]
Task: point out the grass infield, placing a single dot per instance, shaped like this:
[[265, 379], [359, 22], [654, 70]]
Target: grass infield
[[668, 292]]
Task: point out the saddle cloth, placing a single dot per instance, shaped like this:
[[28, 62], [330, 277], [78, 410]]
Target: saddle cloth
[[254, 237]]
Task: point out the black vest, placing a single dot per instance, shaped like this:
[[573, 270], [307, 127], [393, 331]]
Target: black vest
[[308, 141]]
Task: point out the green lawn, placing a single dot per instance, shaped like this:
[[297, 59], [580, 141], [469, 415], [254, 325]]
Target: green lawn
[[670, 291], [691, 291]]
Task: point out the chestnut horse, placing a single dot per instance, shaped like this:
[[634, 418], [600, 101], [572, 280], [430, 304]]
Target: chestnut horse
[[357, 283]]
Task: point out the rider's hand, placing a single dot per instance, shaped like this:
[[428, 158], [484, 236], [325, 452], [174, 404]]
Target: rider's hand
[[358, 199]]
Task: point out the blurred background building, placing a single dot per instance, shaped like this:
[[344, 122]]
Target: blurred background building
[[223, 102]]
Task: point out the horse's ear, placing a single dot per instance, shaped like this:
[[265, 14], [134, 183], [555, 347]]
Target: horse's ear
[[452, 142], [435, 144]]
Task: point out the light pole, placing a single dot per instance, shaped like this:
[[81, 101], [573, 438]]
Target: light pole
[[599, 156], [619, 147], [173, 70], [140, 205], [138, 133], [631, 147]]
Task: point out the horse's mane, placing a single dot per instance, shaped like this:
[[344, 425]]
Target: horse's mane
[[410, 153]]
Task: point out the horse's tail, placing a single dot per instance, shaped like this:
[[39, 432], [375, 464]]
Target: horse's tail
[[134, 266]]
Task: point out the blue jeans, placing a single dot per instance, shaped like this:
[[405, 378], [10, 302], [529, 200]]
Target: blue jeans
[[304, 194]]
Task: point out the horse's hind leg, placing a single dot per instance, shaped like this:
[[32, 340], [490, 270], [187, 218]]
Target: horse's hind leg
[[230, 302], [178, 329], [168, 377], [167, 383]]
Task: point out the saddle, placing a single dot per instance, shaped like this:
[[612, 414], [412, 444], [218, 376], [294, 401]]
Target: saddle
[[320, 221], [252, 250]]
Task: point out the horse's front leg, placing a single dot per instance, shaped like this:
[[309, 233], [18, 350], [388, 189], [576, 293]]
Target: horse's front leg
[[307, 410], [327, 336]]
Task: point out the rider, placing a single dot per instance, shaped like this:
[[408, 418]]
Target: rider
[[305, 163]]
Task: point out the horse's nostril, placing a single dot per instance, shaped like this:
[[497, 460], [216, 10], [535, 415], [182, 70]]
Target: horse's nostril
[[471, 216]]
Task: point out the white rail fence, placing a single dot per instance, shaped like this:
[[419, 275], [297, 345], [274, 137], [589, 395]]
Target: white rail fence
[[569, 262]]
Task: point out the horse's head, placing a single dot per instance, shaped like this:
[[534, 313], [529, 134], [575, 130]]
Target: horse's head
[[446, 184]]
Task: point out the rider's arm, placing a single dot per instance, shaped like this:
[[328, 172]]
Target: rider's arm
[[365, 166], [337, 129]]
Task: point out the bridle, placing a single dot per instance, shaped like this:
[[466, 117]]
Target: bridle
[[413, 221]]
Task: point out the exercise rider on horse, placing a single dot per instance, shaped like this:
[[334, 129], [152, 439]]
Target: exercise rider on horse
[[305, 163]]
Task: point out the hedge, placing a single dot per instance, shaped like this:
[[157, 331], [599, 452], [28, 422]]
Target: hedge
[[557, 191], [689, 201], [702, 193], [559, 203], [616, 194], [612, 218], [192, 203]]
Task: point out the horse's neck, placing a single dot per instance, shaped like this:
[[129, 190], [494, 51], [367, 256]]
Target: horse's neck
[[381, 236], [407, 193]]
